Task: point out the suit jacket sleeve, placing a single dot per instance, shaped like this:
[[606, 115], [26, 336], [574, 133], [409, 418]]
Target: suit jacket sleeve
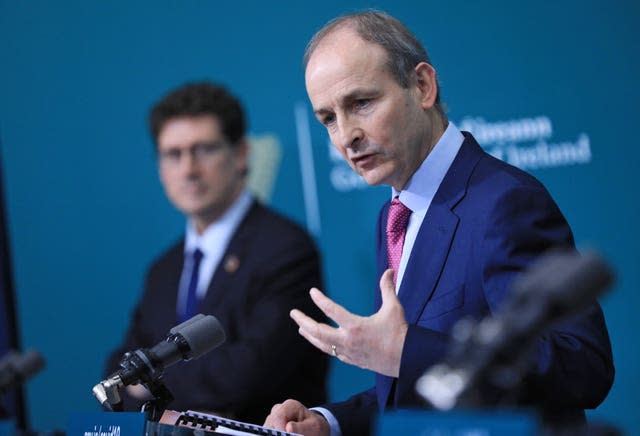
[[136, 336], [356, 415], [571, 363]]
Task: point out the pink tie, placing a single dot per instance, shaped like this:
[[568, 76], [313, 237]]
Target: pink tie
[[396, 228]]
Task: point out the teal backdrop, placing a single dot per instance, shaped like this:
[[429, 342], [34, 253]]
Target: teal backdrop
[[549, 86]]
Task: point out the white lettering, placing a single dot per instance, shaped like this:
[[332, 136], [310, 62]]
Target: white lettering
[[501, 132], [97, 431], [546, 155]]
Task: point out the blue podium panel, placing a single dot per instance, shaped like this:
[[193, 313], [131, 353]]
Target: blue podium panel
[[428, 423], [7, 427], [107, 424]]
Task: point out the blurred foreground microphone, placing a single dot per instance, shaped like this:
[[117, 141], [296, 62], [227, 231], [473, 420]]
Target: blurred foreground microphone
[[16, 368], [186, 341], [493, 352]]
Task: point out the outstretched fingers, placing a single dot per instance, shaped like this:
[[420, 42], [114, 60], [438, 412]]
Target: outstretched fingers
[[333, 310], [322, 336]]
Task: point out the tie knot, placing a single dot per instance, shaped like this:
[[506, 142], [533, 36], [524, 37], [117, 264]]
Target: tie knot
[[398, 216], [197, 255]]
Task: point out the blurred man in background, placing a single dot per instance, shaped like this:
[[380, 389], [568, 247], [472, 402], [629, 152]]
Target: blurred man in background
[[239, 261]]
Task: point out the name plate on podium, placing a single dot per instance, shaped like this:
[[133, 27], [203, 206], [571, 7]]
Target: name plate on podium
[[457, 423], [107, 424]]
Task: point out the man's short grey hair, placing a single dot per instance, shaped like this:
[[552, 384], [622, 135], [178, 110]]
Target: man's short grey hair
[[403, 49]]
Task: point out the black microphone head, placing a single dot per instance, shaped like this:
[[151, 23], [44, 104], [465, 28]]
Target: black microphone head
[[185, 324], [493, 351], [17, 367], [202, 333], [567, 280], [30, 363]]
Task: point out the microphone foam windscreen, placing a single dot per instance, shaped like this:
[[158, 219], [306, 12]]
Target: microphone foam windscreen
[[203, 335]]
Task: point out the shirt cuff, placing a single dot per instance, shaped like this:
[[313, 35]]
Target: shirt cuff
[[333, 422]]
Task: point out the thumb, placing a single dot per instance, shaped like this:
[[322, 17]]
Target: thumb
[[292, 427], [387, 287], [303, 427]]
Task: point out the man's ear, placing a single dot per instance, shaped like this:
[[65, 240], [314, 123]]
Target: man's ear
[[241, 150], [426, 84]]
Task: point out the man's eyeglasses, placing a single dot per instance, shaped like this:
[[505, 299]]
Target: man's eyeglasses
[[199, 151]]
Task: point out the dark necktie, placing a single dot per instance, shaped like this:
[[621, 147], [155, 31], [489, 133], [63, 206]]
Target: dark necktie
[[191, 303], [396, 229]]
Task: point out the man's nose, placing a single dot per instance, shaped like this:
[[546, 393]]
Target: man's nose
[[351, 134], [188, 161]]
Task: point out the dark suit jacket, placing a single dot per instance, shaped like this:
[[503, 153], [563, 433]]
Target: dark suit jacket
[[488, 221], [263, 360]]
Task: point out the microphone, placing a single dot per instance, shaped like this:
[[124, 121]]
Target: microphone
[[16, 368], [493, 351], [186, 341]]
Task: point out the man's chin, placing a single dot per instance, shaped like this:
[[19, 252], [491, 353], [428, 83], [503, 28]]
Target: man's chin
[[374, 178], [195, 210]]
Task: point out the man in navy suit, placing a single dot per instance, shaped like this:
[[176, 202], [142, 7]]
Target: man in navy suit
[[474, 224], [251, 268]]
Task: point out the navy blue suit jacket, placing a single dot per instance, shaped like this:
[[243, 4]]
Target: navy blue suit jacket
[[277, 264], [487, 223]]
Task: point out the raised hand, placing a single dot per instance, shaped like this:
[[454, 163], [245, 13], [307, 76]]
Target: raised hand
[[373, 342]]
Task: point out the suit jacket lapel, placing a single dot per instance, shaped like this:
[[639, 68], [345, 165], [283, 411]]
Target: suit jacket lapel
[[436, 233], [432, 244], [422, 272], [225, 273], [427, 259], [167, 282]]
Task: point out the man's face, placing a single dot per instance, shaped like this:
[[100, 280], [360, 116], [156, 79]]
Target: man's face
[[202, 173], [379, 127]]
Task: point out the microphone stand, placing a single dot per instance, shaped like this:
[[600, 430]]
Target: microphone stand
[[155, 407], [108, 391]]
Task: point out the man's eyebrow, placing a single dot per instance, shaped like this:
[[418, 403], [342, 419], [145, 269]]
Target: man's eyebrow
[[320, 112], [171, 146], [347, 98]]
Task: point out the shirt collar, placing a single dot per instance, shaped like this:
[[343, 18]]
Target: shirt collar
[[226, 224], [424, 183]]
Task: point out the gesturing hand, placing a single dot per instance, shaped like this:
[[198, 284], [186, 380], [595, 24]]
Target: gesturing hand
[[373, 342]]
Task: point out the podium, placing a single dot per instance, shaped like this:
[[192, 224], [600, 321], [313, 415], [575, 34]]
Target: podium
[[172, 424], [7, 427], [457, 423], [401, 422]]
